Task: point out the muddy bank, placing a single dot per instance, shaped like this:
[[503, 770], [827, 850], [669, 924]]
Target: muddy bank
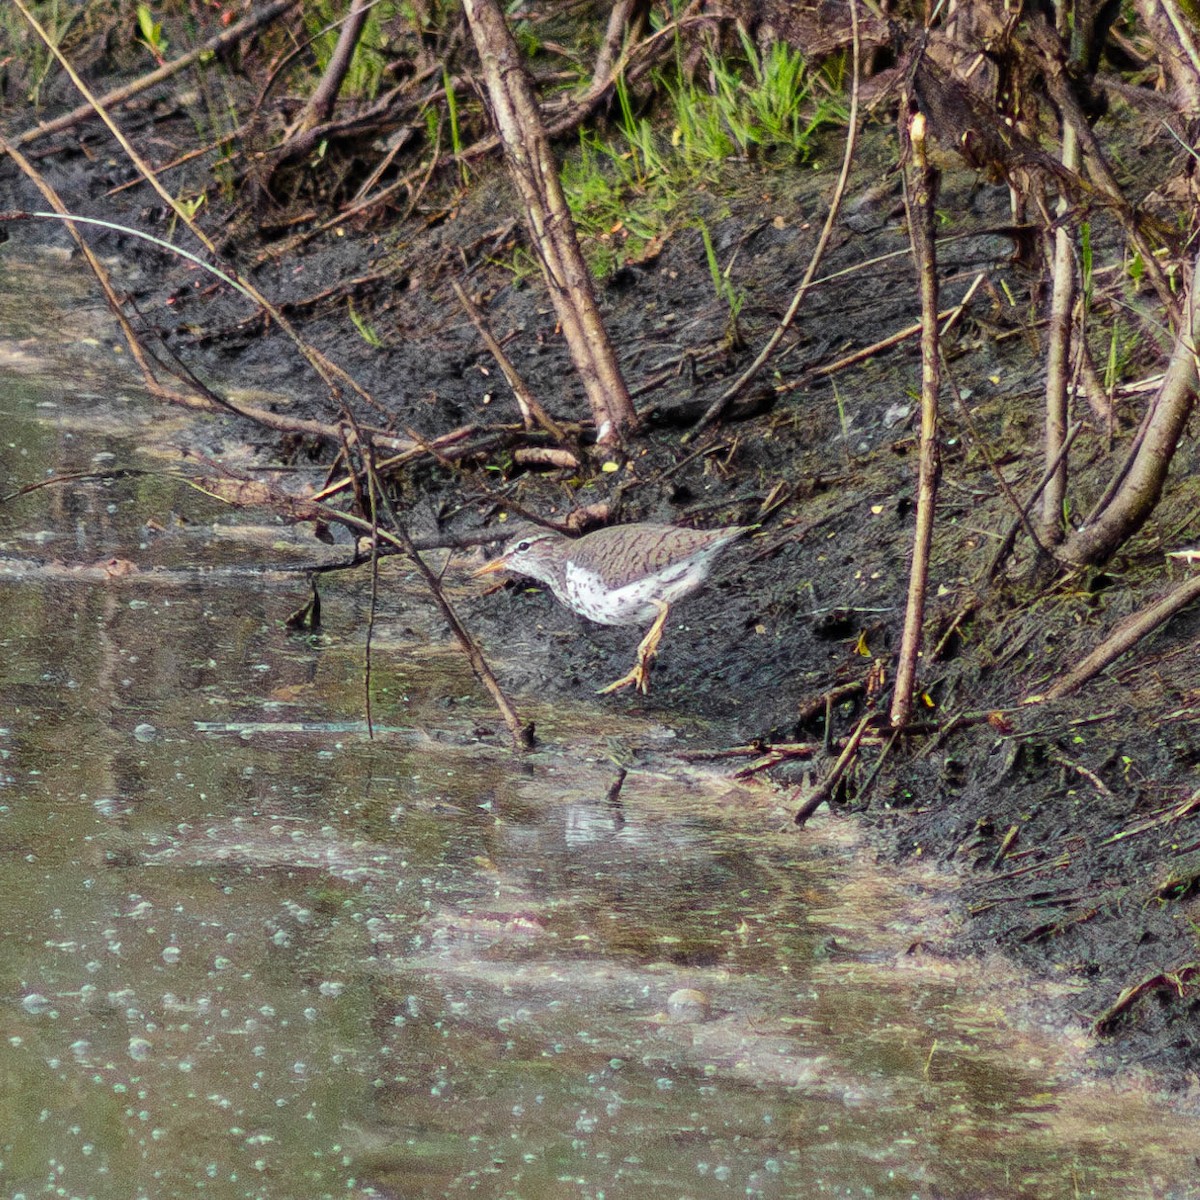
[[1069, 822]]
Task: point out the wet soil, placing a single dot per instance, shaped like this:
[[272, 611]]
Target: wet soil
[[1066, 822]]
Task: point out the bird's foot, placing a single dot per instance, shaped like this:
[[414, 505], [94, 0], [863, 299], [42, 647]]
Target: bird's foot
[[638, 676]]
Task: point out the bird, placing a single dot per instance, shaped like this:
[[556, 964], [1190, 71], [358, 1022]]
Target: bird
[[620, 575]]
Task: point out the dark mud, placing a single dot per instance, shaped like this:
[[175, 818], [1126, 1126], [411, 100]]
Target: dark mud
[[1067, 823]]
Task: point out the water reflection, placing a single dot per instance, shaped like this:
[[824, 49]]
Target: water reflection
[[248, 951]]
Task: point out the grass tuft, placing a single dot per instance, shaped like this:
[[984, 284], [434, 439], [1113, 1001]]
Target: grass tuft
[[625, 190]]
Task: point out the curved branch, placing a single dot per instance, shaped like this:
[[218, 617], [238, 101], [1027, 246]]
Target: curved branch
[[1142, 487]]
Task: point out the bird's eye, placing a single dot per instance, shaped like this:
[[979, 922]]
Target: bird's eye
[[522, 547]]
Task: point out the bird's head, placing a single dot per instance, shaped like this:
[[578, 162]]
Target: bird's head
[[532, 553]]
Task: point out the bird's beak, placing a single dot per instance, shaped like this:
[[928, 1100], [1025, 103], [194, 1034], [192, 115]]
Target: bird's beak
[[497, 564]]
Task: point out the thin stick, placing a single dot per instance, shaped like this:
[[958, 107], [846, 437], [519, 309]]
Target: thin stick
[[134, 157], [1126, 635], [531, 408], [965, 413], [97, 268], [1062, 93], [826, 787], [920, 197], [227, 37], [1022, 517], [366, 453], [1058, 354], [723, 401], [894, 339], [235, 489], [1182, 31]]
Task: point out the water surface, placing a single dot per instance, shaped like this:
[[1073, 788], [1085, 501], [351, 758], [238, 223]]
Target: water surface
[[249, 950]]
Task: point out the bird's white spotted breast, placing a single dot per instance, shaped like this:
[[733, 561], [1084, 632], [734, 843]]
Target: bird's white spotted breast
[[631, 604]]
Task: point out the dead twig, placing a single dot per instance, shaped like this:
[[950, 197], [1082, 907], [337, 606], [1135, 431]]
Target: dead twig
[[920, 199], [136, 349], [784, 750], [534, 171], [719, 405], [1079, 769], [826, 787], [1022, 515], [867, 352], [374, 491], [1022, 518], [1168, 816], [1177, 981], [546, 456], [1126, 635], [227, 37], [996, 717], [1006, 844], [825, 701], [532, 412]]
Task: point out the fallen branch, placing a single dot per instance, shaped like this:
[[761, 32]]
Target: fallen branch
[[1126, 635], [215, 44], [784, 750]]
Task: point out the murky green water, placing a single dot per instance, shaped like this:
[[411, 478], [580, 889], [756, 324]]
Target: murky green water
[[247, 951]]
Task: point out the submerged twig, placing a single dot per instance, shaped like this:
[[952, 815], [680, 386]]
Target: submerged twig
[[234, 489]]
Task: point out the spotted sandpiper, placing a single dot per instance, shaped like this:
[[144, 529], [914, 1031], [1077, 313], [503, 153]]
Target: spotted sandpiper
[[622, 575]]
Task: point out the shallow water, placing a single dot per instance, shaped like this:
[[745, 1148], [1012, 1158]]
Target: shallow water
[[248, 950]]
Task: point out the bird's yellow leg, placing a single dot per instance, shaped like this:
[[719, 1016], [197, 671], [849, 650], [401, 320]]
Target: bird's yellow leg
[[638, 675]]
